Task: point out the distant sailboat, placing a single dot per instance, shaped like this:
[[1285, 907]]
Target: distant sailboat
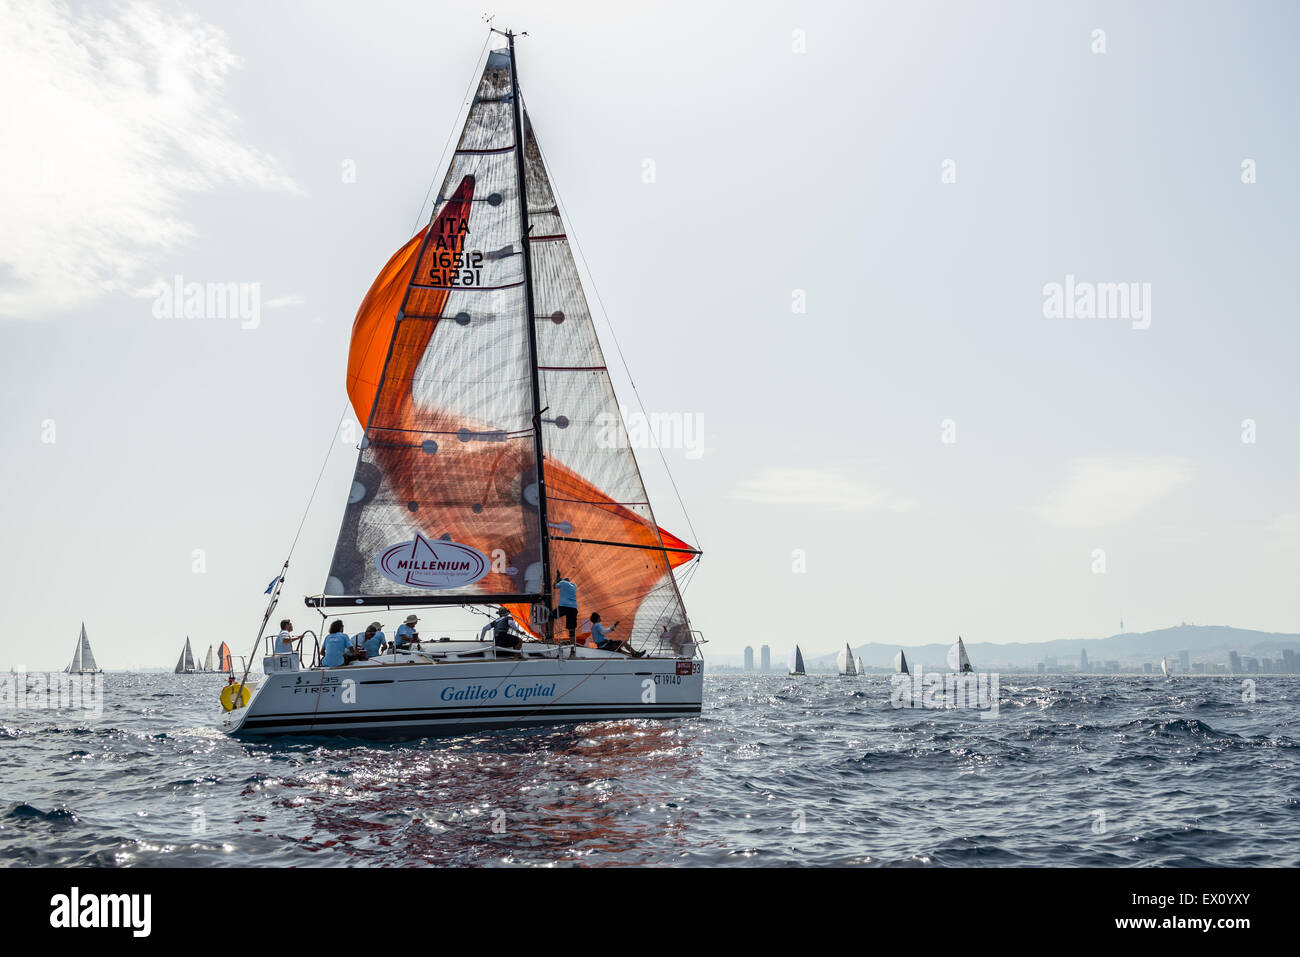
[[1164, 667], [83, 659], [961, 664], [900, 663], [861, 671], [844, 660], [207, 662], [185, 666], [223, 658], [795, 661]]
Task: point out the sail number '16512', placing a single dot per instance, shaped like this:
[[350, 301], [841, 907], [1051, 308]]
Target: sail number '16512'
[[456, 269]]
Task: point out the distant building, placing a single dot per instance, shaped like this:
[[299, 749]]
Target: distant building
[[1184, 662], [1288, 661], [1147, 667], [1252, 666], [749, 658], [767, 659], [1111, 666], [1266, 666], [1083, 659], [1234, 663], [1042, 667], [1198, 668]]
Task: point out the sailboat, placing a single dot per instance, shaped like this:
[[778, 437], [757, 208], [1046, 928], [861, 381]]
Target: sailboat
[[795, 661], [958, 661], [861, 670], [207, 661], [1164, 667], [224, 661], [185, 664], [844, 661], [494, 459], [83, 659], [900, 663]]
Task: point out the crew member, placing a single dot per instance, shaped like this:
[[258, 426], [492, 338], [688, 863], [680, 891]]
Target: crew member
[[406, 633], [502, 632], [336, 644], [568, 607]]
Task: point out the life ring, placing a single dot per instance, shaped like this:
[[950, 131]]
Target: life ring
[[228, 696]]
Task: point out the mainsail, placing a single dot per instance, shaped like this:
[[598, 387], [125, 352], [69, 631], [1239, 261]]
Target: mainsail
[[207, 662], [223, 656], [844, 661], [900, 663], [861, 670], [186, 663], [795, 661], [83, 659], [460, 393]]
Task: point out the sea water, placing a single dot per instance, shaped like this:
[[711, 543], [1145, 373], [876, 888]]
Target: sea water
[[777, 770]]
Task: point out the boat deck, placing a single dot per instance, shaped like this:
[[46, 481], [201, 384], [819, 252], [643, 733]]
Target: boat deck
[[448, 652]]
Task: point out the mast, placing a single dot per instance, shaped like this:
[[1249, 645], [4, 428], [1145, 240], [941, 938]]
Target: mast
[[525, 241]]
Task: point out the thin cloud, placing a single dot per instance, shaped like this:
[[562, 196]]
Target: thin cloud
[[1107, 491], [1287, 524], [828, 489], [109, 121], [279, 302]]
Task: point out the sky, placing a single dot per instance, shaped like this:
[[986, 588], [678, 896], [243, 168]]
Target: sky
[[825, 235]]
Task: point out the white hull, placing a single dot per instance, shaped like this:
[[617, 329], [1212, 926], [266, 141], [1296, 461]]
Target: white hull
[[442, 693]]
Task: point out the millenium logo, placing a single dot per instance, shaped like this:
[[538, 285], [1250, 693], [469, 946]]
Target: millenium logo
[[421, 563]]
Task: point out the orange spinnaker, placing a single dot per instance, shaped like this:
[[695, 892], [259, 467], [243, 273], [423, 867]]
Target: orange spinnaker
[[372, 330]]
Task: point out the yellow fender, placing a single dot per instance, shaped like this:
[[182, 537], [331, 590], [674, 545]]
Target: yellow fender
[[228, 696]]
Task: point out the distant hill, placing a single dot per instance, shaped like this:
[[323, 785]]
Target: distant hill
[[1202, 643]]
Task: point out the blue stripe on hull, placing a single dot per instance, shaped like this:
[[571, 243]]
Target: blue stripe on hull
[[427, 721]]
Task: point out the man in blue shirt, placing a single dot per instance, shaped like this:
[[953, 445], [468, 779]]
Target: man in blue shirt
[[601, 635], [406, 633], [568, 606], [373, 641], [336, 643]]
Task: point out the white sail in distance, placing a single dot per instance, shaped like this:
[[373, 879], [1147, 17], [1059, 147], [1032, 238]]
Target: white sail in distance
[[83, 659]]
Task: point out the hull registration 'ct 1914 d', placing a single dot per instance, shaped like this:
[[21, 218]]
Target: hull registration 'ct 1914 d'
[[486, 478]]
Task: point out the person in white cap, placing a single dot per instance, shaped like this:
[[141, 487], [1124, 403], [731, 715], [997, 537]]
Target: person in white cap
[[406, 633]]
